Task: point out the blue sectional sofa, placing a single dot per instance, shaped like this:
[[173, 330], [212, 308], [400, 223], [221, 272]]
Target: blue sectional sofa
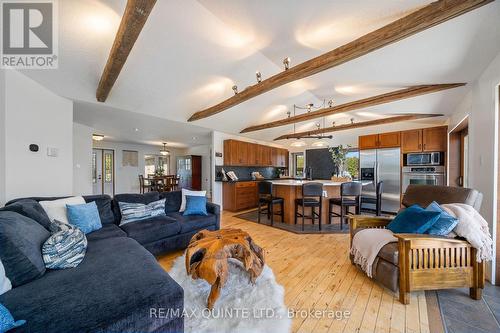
[[119, 281]]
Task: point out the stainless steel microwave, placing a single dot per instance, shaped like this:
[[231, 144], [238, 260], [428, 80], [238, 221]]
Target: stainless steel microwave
[[433, 158]]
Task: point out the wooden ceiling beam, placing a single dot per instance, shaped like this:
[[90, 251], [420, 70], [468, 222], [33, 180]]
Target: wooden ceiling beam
[[345, 127], [356, 105], [422, 19], [133, 20]]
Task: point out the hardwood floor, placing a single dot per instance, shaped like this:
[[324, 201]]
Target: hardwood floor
[[316, 273]]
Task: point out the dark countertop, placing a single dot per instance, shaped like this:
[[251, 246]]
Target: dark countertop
[[247, 180]]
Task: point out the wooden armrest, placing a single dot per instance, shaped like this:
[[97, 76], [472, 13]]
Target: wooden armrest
[[429, 239], [365, 221]]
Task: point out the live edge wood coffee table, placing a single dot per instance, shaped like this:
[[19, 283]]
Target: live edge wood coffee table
[[208, 253]]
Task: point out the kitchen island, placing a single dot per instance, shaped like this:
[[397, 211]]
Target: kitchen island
[[290, 189]]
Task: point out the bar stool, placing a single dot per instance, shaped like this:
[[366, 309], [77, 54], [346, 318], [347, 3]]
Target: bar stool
[[377, 200], [350, 196], [266, 197], [311, 197]]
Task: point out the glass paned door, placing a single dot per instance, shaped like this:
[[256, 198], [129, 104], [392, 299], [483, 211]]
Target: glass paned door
[[103, 171]]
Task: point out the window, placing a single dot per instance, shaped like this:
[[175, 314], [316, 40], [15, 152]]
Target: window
[[108, 167], [154, 163], [352, 164], [298, 164]]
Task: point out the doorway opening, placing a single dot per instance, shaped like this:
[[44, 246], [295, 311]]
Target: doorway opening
[[458, 163], [103, 171]]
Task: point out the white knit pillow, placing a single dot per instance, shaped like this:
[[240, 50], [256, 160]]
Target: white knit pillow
[[56, 209]]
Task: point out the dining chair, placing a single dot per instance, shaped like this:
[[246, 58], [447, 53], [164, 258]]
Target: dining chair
[[142, 185]]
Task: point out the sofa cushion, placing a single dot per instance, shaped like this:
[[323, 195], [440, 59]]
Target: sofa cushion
[[107, 231], [112, 290], [152, 229], [104, 207], [32, 209], [21, 240], [173, 201], [193, 222], [389, 252]]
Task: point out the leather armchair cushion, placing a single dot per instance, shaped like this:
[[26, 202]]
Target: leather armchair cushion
[[424, 195]]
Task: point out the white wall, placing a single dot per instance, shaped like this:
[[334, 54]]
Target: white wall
[[2, 137], [126, 178], [481, 104], [204, 152], [218, 147], [82, 159], [35, 115]]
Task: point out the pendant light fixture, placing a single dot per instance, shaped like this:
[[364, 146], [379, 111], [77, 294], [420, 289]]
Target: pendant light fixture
[[164, 151]]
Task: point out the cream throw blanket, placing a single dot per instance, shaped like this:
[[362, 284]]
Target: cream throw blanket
[[366, 245], [473, 227]]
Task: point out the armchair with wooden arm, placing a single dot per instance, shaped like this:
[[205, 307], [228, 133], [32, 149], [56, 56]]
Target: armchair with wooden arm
[[426, 262]]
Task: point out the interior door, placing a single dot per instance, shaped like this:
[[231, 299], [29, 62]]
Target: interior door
[[103, 171], [96, 171]]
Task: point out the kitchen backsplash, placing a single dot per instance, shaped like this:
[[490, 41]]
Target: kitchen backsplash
[[245, 172]]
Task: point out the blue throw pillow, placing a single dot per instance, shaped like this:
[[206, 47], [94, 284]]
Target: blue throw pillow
[[7, 322], [85, 217], [195, 205], [413, 220], [444, 225]]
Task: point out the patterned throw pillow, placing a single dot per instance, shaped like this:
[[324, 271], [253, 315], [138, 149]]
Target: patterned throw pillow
[[136, 211], [65, 248]]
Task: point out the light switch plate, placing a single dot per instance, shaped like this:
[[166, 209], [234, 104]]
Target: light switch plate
[[52, 152]]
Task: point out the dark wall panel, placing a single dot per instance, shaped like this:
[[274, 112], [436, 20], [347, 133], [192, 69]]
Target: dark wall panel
[[321, 162]]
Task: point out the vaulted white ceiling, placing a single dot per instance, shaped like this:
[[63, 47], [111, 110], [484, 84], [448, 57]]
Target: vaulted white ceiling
[[190, 53]]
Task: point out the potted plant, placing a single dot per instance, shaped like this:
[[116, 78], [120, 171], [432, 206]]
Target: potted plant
[[339, 157]]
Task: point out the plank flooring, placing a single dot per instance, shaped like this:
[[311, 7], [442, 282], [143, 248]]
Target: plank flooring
[[316, 273]]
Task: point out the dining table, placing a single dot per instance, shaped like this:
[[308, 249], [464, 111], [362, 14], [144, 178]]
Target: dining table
[[163, 183]]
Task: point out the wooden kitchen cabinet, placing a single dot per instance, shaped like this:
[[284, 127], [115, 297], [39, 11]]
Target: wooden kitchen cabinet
[[239, 153], [411, 141], [424, 140], [240, 195], [368, 141], [389, 140], [235, 152], [384, 140], [434, 139]]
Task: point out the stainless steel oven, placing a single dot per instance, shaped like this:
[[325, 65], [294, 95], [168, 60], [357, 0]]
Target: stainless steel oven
[[434, 158], [423, 175]]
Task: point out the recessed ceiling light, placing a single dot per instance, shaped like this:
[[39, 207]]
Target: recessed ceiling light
[[195, 138], [97, 137], [136, 129]]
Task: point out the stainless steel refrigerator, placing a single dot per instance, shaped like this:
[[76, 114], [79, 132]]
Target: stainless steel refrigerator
[[382, 165]]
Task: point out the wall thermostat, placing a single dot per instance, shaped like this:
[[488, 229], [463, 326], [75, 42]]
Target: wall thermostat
[[33, 147]]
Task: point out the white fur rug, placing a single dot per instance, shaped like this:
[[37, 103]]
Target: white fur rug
[[241, 306]]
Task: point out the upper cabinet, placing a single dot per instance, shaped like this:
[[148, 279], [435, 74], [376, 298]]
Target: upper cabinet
[[411, 141], [435, 138], [384, 140], [424, 140], [240, 153]]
